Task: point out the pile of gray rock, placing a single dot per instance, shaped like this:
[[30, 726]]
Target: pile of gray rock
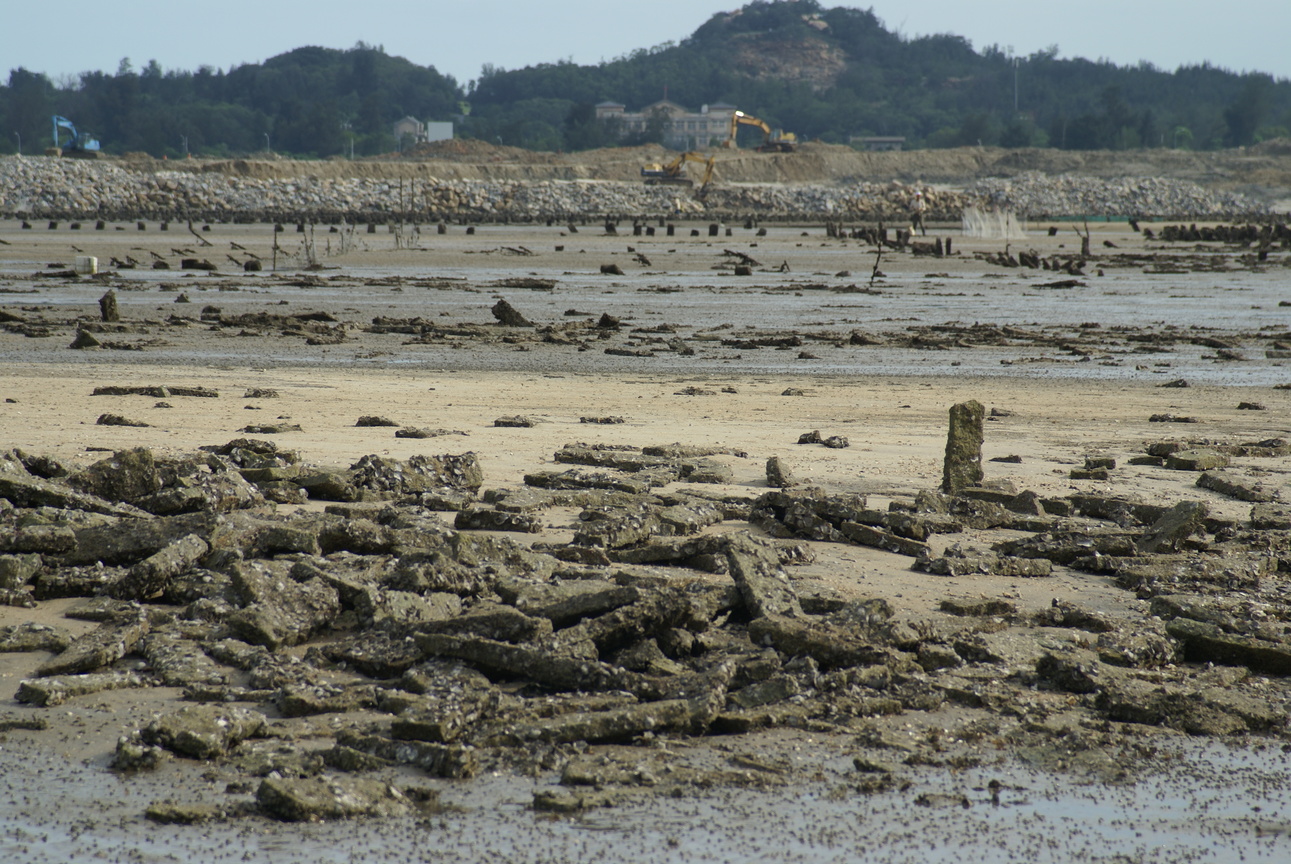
[[1036, 195], [68, 188]]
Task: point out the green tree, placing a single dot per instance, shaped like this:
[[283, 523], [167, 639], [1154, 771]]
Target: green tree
[[582, 131], [1246, 114]]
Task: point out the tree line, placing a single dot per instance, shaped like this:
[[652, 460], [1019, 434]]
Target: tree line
[[312, 101], [935, 91]]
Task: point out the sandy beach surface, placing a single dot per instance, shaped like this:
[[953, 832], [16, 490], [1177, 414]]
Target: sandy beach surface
[[816, 337]]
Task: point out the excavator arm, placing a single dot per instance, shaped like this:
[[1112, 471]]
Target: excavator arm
[[772, 140], [64, 123], [672, 173]]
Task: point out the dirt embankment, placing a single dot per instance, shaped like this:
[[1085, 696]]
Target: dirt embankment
[[1264, 169]]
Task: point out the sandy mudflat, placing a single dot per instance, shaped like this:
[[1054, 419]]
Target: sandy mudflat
[[1055, 408]]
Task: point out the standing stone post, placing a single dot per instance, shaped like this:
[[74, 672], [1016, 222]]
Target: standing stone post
[[963, 466], [108, 307], [778, 474]]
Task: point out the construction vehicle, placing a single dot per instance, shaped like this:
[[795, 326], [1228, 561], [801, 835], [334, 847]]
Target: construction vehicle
[[78, 144], [773, 140], [672, 173]]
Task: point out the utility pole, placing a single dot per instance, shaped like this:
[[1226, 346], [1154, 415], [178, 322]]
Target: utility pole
[[184, 139], [1015, 85], [19, 134], [267, 146]]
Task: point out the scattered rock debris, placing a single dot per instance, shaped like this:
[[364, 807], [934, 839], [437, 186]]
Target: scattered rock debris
[[647, 624]]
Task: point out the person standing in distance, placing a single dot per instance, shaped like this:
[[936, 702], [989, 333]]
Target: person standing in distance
[[917, 206]]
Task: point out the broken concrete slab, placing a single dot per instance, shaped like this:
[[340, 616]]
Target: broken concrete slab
[[218, 492], [17, 571], [310, 700], [916, 526], [623, 724], [1067, 545], [318, 799], [478, 517], [1173, 574], [581, 479], [1196, 460], [616, 528], [690, 518], [492, 621], [150, 576], [440, 721], [279, 610], [629, 460], [1204, 711], [115, 544], [1176, 525], [1234, 486], [763, 584], [203, 731], [1074, 670], [28, 491], [1271, 517], [1206, 643], [866, 535], [123, 476], [179, 661], [703, 470], [451, 761], [48, 692], [101, 647], [984, 563], [977, 607], [420, 473], [54, 539], [566, 603], [33, 636], [831, 647], [536, 664]]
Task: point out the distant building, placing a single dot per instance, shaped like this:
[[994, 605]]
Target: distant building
[[410, 130], [682, 129], [878, 142]]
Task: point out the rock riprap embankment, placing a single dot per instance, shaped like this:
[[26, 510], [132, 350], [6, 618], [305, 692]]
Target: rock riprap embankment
[[1040, 195], [64, 188]]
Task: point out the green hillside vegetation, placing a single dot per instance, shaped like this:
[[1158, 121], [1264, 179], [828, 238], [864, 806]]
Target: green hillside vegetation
[[310, 102], [824, 73]]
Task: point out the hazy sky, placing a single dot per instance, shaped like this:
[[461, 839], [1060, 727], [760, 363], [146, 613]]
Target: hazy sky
[[458, 37]]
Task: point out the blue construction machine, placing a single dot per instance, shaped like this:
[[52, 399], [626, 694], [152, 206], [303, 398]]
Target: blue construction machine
[[77, 144]]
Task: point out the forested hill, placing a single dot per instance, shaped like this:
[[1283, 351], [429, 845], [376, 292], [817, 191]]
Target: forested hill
[[823, 73], [836, 73], [310, 102]]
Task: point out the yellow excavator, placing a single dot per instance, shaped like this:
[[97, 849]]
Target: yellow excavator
[[773, 140], [672, 174]]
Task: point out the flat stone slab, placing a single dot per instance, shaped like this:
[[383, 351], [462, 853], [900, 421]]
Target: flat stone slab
[[318, 799], [100, 647], [763, 584], [1234, 486], [203, 731], [48, 692], [1196, 460], [1205, 643]]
